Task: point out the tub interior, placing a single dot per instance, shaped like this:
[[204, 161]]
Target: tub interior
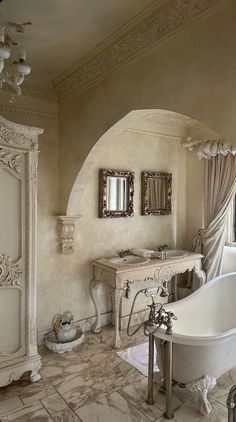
[[209, 311]]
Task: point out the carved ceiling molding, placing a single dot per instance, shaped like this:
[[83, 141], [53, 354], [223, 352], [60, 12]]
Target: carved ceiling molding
[[142, 33], [35, 89], [208, 148], [27, 112]]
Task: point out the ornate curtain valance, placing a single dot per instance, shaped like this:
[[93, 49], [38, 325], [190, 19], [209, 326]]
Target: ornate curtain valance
[[208, 148]]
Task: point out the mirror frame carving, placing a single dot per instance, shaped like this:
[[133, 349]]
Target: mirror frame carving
[[103, 211], [145, 175]]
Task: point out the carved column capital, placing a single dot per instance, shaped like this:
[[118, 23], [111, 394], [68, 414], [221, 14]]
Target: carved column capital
[[67, 235]]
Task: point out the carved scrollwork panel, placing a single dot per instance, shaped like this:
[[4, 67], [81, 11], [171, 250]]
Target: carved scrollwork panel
[[11, 138], [12, 160], [10, 273]]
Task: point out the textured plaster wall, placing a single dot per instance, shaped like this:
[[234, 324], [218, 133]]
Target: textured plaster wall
[[103, 237]]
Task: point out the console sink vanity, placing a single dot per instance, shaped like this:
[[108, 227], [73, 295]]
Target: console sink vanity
[[121, 273]]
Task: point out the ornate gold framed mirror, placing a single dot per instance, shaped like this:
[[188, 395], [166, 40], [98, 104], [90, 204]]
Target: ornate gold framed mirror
[[116, 191], [156, 193]]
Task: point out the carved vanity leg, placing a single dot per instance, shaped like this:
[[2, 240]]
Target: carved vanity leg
[[34, 374], [117, 295], [201, 276], [94, 285]]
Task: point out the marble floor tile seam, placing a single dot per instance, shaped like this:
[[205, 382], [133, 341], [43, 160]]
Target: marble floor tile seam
[[100, 396], [51, 414], [137, 406], [217, 401], [14, 409], [37, 403], [156, 405]]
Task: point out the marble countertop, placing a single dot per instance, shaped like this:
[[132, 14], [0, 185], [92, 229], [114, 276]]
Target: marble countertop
[[153, 262]]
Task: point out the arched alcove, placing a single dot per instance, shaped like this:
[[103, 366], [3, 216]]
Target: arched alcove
[[145, 124], [154, 122], [148, 140]]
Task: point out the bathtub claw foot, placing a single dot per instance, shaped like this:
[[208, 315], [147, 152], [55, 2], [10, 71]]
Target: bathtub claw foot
[[199, 390]]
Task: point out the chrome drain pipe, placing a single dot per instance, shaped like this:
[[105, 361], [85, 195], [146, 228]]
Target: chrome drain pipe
[[231, 404]]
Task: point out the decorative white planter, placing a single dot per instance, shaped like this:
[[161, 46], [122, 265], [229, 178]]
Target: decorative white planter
[[51, 342]]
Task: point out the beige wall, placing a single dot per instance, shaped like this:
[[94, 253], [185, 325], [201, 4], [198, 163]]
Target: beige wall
[[103, 237]]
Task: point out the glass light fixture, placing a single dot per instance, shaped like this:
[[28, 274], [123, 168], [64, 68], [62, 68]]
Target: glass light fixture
[[14, 75]]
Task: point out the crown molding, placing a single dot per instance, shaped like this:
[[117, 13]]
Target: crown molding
[[38, 89], [163, 20], [26, 112], [35, 89]]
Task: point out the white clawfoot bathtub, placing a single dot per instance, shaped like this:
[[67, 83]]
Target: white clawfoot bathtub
[[204, 335]]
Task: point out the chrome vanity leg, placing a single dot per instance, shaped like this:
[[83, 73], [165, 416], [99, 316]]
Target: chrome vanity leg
[[150, 398], [168, 379], [93, 287], [117, 295]]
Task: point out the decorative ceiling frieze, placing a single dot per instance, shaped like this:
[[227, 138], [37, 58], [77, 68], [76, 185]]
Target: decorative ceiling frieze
[[142, 33], [35, 89]]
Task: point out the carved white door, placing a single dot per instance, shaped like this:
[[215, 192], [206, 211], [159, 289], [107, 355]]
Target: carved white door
[[12, 252], [18, 186]]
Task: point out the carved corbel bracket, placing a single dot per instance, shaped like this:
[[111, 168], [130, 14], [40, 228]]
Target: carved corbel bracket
[[67, 235]]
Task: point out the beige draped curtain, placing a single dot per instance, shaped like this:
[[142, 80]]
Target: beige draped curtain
[[220, 189]]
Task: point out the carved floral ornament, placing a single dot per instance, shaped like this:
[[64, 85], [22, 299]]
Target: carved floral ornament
[[12, 160], [10, 273], [10, 137], [18, 136], [208, 148]]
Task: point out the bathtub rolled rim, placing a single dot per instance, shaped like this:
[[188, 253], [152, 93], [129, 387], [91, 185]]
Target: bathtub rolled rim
[[195, 340]]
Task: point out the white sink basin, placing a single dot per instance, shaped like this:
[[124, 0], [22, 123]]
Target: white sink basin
[[172, 253], [129, 260]]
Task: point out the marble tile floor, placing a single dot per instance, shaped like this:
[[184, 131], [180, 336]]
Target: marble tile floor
[[92, 384]]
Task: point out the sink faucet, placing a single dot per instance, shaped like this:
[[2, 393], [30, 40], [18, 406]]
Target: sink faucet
[[122, 252], [160, 247], [162, 253]]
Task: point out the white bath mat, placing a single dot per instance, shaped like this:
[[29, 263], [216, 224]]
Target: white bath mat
[[137, 356]]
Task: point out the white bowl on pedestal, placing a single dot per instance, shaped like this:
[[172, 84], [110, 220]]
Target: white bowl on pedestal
[[52, 343]]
